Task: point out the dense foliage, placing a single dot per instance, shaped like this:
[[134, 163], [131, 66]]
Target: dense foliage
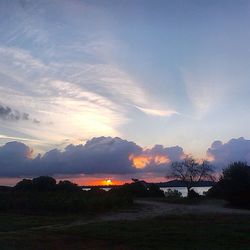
[[139, 189], [234, 185], [173, 194], [42, 194]]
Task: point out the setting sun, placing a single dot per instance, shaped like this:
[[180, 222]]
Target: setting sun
[[108, 182]]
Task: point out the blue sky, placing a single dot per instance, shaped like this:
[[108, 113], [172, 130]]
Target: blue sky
[[153, 72]]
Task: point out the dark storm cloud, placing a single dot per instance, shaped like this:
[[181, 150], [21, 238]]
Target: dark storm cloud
[[102, 155], [233, 150], [7, 113]]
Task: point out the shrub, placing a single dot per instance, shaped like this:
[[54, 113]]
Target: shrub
[[25, 184], [173, 194], [139, 189], [68, 186], [44, 183], [42, 194], [193, 195], [234, 185]]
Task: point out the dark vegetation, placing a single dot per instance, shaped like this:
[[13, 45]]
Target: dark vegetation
[[175, 197], [234, 185], [173, 194], [44, 195], [138, 189]]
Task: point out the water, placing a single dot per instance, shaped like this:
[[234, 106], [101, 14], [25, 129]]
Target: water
[[183, 190], [87, 189]]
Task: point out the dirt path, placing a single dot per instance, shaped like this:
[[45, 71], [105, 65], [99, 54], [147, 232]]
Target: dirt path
[[149, 209]]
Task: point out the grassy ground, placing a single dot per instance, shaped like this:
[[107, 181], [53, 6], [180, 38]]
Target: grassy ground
[[171, 232]]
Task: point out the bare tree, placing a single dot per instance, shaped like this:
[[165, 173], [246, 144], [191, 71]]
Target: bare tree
[[191, 172]]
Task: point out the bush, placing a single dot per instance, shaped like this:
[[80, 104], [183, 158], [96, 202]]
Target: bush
[[155, 191], [215, 192], [173, 194], [139, 189], [25, 184], [234, 185], [193, 195], [44, 183], [43, 195], [68, 186]]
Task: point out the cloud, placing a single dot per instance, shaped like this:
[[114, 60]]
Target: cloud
[[157, 112], [204, 90], [15, 159], [100, 155], [6, 113], [222, 154], [2, 136], [110, 156], [157, 158]]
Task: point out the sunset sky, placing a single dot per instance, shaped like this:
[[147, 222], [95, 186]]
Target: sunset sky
[[94, 85]]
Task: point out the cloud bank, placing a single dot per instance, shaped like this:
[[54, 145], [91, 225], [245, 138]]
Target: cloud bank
[[110, 155], [101, 155], [234, 150]]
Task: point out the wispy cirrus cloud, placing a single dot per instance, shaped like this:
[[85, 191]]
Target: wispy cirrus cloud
[[76, 97], [157, 112], [73, 83]]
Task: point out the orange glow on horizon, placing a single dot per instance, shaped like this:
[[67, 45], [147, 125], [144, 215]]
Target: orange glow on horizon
[[107, 182], [141, 161], [99, 182]]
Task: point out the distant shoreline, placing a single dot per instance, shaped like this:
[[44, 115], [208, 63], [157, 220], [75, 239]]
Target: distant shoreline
[[173, 183]]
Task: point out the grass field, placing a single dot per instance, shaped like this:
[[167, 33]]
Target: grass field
[[171, 232]]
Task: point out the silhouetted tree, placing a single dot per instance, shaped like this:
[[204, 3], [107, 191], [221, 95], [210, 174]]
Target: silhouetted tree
[[44, 183], [25, 184], [191, 172], [68, 186]]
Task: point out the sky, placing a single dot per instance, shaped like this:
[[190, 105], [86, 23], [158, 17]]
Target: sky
[[143, 73]]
